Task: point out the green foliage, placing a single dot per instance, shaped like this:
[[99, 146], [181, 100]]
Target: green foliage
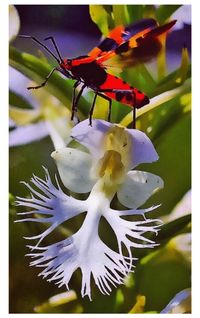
[[100, 17], [18, 101], [161, 273], [164, 12], [165, 271]]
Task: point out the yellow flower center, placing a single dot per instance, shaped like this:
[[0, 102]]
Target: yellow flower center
[[111, 167], [118, 139], [114, 164]]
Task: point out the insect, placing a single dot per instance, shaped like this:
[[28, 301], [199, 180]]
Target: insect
[[141, 37]]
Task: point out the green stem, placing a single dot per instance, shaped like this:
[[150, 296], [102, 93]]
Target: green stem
[[161, 61]]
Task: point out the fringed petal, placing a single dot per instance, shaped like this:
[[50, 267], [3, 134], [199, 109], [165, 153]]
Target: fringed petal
[[132, 233], [93, 257], [51, 203]]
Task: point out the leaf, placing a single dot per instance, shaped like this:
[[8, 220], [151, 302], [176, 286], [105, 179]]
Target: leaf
[[165, 114], [37, 70], [18, 100], [54, 303], [134, 12], [167, 232], [119, 14], [119, 300], [161, 60], [156, 102], [173, 228], [174, 166], [164, 12], [23, 116], [182, 72], [176, 78], [100, 17], [160, 275]]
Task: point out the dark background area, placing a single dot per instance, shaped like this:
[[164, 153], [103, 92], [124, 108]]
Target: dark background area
[[72, 19]]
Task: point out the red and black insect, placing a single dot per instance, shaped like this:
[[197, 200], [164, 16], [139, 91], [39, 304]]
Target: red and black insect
[[142, 37]]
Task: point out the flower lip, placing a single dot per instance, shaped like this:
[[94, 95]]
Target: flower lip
[[84, 249], [114, 150]]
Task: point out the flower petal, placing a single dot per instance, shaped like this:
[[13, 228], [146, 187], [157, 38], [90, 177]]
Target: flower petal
[[82, 250], [27, 134], [142, 148], [23, 116], [138, 187], [14, 23], [50, 203], [124, 230], [59, 130], [74, 167], [91, 136], [180, 303]]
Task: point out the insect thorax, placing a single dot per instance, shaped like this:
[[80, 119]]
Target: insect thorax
[[91, 73]]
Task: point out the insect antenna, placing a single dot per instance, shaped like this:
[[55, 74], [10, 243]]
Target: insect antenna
[[55, 46], [44, 46]]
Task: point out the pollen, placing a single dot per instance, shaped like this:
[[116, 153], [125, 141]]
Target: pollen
[[111, 167], [118, 140]]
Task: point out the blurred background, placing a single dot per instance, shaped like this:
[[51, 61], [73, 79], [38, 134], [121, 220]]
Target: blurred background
[[160, 274]]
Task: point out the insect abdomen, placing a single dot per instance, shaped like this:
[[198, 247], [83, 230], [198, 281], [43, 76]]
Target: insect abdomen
[[124, 92]]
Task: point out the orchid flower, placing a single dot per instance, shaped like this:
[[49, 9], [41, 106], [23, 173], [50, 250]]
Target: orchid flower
[[14, 23], [48, 117], [180, 303], [103, 171]]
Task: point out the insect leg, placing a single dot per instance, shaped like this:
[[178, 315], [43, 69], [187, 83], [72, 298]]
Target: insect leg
[[92, 108], [76, 84], [76, 100], [124, 91], [110, 103], [134, 112], [46, 80]]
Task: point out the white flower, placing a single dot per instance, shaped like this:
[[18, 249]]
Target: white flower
[[48, 117], [180, 303], [104, 172], [14, 23]]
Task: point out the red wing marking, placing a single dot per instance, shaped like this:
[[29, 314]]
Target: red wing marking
[[123, 92], [136, 35]]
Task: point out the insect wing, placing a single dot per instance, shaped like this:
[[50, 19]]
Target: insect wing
[[121, 91], [120, 35], [150, 44], [143, 38]]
